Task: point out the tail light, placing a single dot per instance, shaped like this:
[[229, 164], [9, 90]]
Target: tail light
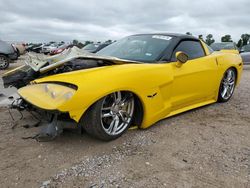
[[14, 48]]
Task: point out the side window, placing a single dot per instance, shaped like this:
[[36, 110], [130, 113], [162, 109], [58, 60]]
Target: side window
[[193, 49]]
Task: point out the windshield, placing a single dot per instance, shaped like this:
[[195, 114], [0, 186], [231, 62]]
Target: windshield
[[147, 48], [90, 47], [223, 46]]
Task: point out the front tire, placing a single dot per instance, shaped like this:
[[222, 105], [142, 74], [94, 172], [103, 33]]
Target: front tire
[[110, 117], [4, 62], [227, 85]]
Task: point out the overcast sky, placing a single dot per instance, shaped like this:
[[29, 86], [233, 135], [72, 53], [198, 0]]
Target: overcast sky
[[99, 20]]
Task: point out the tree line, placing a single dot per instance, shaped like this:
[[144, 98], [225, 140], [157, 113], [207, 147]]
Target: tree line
[[209, 39], [244, 40]]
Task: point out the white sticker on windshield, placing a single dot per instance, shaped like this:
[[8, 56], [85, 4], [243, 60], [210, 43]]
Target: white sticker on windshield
[[163, 37], [148, 54]]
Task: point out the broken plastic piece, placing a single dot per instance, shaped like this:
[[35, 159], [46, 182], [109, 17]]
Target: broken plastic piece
[[50, 131]]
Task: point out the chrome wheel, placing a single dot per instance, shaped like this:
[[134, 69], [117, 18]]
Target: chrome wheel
[[228, 84], [116, 112], [4, 63]]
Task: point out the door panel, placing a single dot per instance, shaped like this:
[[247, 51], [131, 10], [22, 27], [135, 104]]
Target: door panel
[[194, 82]]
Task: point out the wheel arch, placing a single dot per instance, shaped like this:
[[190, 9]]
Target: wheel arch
[[7, 59], [236, 72], [219, 98], [231, 67], [139, 111], [4, 55], [139, 107]]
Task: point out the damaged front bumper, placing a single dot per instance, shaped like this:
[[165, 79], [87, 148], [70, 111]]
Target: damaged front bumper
[[51, 123]]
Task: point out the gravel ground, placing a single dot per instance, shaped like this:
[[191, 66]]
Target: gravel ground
[[205, 147]]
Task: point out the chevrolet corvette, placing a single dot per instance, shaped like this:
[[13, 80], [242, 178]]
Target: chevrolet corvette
[[137, 80]]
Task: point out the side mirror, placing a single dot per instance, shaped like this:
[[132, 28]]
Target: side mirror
[[181, 58]]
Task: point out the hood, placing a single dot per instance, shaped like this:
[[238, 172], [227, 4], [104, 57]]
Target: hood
[[49, 63]]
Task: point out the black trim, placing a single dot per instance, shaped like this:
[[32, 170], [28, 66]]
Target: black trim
[[72, 86]]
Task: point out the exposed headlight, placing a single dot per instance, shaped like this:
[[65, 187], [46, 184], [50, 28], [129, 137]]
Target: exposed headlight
[[58, 91], [48, 95], [68, 95]]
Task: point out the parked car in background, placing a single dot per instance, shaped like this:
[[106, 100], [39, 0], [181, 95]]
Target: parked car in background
[[59, 49], [35, 47], [7, 53], [225, 46], [48, 48], [245, 54], [21, 49], [245, 48], [245, 57], [95, 47]]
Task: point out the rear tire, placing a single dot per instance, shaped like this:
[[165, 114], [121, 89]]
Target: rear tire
[[109, 117], [4, 62], [227, 85]]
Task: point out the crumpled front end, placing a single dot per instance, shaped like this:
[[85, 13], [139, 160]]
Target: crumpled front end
[[46, 99], [19, 77]]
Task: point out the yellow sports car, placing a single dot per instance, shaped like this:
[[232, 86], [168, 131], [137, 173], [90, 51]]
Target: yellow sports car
[[137, 80]]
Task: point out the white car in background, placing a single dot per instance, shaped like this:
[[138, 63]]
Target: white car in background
[[245, 54], [48, 48]]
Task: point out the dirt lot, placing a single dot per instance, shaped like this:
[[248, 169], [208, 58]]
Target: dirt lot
[[206, 147]]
